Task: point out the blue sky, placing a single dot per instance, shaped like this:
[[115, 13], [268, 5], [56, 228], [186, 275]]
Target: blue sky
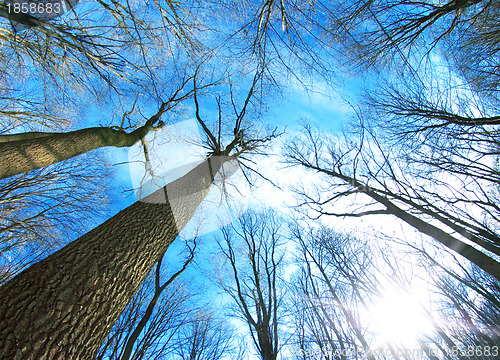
[[177, 148], [322, 107]]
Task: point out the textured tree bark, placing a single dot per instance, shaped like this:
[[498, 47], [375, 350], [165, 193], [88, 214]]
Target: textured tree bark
[[64, 306], [129, 346], [37, 149]]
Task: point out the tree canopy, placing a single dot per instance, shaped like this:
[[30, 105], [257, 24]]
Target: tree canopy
[[377, 123]]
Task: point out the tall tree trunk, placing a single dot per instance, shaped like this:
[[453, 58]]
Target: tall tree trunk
[[31, 151], [64, 306], [266, 346], [485, 262]]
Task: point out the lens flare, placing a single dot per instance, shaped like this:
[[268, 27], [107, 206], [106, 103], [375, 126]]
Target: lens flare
[[399, 318]]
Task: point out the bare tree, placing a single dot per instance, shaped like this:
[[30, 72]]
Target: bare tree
[[41, 210], [362, 166], [468, 298], [377, 30], [474, 51], [107, 38], [340, 279], [90, 283], [28, 151], [207, 337], [335, 281], [95, 53], [74, 296], [255, 284]]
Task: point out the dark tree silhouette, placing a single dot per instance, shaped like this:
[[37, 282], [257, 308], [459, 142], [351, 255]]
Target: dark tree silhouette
[[349, 170], [255, 286]]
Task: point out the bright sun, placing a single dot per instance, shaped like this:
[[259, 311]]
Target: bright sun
[[398, 318]]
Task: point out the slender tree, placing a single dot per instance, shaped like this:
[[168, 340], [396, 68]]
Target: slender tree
[[255, 287], [372, 173], [332, 287], [207, 337]]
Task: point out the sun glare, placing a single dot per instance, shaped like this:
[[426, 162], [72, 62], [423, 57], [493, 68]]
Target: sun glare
[[398, 318]]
